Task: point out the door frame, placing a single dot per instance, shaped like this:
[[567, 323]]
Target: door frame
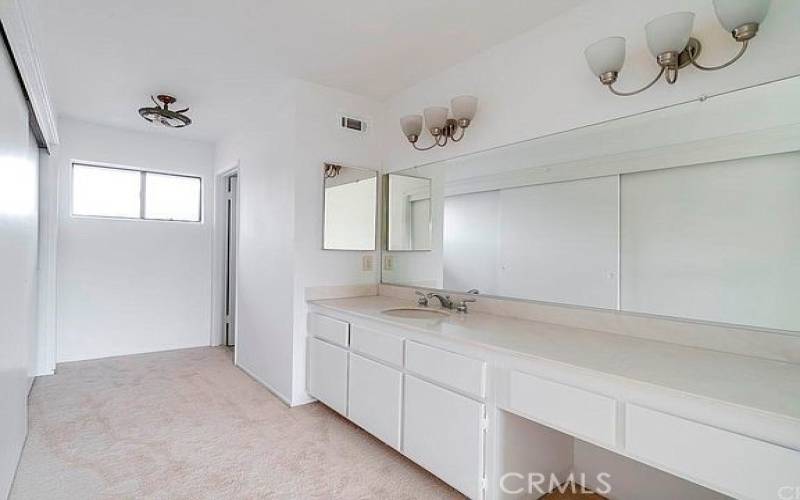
[[217, 335]]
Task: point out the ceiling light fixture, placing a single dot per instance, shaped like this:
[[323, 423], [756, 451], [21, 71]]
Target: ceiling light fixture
[[442, 128], [669, 39], [161, 115]]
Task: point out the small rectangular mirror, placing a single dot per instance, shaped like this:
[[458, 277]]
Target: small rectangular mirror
[[408, 213], [351, 199]]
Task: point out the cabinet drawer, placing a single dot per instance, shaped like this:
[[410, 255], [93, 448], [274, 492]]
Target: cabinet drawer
[[332, 330], [443, 432], [374, 400], [574, 411], [453, 370], [730, 463], [327, 374], [382, 346]]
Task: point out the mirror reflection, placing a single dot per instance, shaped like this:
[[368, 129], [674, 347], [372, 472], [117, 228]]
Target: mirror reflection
[[408, 201], [350, 208], [688, 212]]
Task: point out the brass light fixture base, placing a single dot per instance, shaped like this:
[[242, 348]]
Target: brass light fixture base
[[450, 127], [690, 53], [166, 100], [745, 32]]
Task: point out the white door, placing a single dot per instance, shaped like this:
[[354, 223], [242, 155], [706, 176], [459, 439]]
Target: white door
[[231, 238], [444, 432], [374, 399], [327, 374]]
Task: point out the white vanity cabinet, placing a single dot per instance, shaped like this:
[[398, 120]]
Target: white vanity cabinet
[[736, 465], [327, 374], [327, 360], [444, 420], [444, 432], [423, 401], [476, 417], [375, 398]]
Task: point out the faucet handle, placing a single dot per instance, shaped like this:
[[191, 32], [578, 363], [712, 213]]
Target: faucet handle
[[422, 300], [462, 305]]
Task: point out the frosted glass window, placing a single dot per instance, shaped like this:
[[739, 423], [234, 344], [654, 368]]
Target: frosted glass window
[[134, 194], [105, 192], [172, 197]]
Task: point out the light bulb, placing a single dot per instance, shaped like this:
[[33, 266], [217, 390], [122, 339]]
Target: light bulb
[[435, 117], [606, 55], [411, 125], [735, 13], [669, 33], [464, 107]]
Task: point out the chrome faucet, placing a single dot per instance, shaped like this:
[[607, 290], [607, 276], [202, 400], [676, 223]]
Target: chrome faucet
[[443, 299], [422, 300], [462, 305]]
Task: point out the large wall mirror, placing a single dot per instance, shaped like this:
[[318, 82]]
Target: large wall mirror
[[691, 211], [408, 214], [351, 201]]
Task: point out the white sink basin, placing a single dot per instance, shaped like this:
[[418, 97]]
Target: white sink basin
[[415, 313]]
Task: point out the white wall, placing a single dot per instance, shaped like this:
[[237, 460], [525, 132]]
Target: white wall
[[539, 82], [319, 139], [130, 286], [280, 161], [45, 356], [18, 274], [265, 263]]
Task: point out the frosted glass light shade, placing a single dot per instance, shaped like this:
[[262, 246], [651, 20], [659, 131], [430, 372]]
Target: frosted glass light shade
[[464, 107], [435, 117], [411, 125], [606, 55], [669, 33], [735, 13]]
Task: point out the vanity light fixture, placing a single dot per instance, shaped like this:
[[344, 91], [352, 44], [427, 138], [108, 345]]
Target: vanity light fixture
[[439, 124], [669, 39]]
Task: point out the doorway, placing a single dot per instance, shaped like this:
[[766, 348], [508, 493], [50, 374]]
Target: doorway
[[231, 198]]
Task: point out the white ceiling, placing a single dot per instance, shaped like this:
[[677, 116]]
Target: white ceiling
[[105, 57]]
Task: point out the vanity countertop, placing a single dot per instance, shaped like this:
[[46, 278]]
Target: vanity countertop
[[763, 386]]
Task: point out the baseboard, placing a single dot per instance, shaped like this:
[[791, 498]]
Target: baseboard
[[304, 401], [136, 353], [21, 451], [271, 389], [44, 373]]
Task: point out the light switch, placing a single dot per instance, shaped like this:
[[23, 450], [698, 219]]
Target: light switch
[[388, 262], [366, 263]]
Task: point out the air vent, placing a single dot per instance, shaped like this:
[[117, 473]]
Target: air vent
[[354, 124]]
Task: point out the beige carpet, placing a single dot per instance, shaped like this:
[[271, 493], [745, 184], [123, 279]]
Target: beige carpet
[[188, 424]]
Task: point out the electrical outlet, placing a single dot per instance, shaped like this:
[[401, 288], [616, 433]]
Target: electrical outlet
[[388, 262], [366, 263]]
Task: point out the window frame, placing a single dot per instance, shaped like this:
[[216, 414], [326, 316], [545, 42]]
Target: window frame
[[142, 192]]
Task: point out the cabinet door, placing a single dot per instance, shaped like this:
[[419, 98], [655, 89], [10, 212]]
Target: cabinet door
[[374, 399], [443, 432], [327, 374]]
